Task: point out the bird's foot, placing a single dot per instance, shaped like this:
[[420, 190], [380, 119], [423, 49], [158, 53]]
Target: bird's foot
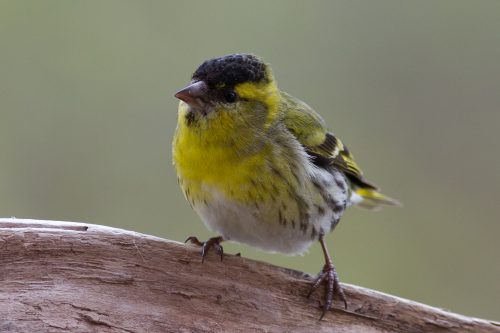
[[213, 242], [333, 287]]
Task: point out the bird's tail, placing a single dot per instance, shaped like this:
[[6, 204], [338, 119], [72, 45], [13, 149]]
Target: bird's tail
[[371, 199]]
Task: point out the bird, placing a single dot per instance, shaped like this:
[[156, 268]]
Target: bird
[[261, 167]]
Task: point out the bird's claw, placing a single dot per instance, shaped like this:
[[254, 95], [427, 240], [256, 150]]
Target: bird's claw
[[332, 286], [213, 242]]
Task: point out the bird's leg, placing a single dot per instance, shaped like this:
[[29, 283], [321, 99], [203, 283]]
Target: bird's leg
[[213, 242], [331, 279]]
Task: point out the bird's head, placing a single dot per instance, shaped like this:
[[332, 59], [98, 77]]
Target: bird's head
[[230, 88]]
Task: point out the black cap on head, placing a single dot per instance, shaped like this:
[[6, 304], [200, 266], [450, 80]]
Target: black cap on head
[[231, 70]]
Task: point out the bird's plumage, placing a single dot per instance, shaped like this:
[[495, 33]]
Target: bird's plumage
[[326, 150], [267, 146], [261, 167]]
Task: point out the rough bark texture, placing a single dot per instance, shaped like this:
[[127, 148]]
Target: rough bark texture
[[61, 276]]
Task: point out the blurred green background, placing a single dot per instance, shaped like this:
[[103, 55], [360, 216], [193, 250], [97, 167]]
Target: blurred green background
[[87, 115]]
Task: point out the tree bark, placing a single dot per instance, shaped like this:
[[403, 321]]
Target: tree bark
[[77, 277]]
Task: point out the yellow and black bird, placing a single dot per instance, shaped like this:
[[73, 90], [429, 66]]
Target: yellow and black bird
[[260, 167]]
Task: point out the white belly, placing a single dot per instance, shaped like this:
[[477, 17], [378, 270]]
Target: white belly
[[260, 226]]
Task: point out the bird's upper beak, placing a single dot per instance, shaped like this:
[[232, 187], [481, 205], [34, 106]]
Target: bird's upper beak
[[193, 94]]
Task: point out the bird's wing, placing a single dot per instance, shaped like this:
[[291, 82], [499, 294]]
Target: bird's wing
[[322, 145]]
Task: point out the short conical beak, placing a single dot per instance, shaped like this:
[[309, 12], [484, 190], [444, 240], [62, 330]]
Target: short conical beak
[[193, 93]]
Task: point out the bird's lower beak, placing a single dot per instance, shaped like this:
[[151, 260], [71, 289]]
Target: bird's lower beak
[[193, 94]]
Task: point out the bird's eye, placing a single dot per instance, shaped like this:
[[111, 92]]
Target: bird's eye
[[230, 96]]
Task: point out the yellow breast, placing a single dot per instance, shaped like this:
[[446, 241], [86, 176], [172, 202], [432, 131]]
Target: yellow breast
[[215, 157]]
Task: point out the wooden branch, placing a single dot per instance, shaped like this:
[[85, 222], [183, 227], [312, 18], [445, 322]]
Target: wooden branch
[[76, 277]]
